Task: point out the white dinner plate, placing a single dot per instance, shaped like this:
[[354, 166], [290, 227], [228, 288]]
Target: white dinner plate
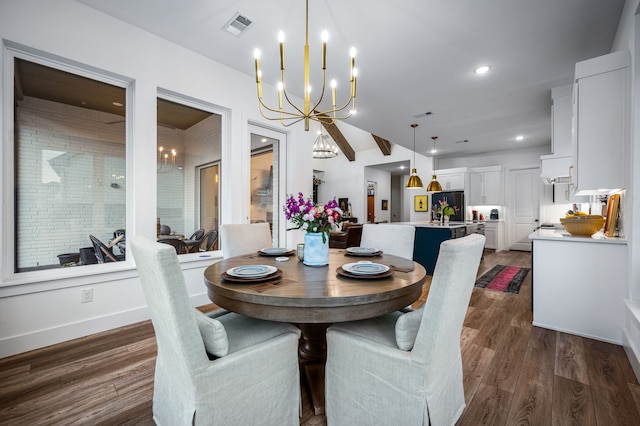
[[274, 250], [362, 250], [252, 271], [365, 268]]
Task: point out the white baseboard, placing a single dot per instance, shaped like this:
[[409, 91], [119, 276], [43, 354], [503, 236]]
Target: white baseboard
[[631, 335], [41, 338], [577, 333], [632, 353]]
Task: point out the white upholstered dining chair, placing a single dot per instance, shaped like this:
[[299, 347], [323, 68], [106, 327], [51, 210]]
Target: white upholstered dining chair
[[214, 370], [244, 238], [406, 368], [397, 240]]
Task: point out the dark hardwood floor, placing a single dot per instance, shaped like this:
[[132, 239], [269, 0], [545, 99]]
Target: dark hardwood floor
[[513, 373]]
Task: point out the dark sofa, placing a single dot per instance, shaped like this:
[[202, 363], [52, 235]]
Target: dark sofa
[[348, 236]]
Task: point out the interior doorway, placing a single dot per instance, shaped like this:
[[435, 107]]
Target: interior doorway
[[523, 205], [209, 195], [267, 182], [371, 202]]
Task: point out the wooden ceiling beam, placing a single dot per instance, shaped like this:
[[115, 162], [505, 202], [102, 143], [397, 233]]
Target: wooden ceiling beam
[[383, 144], [339, 139]]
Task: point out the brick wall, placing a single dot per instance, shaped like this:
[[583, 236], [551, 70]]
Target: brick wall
[[70, 179]]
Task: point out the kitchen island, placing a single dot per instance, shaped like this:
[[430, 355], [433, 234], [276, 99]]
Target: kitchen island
[[428, 237], [579, 284]]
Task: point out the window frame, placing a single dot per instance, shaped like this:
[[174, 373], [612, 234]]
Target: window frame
[[11, 51], [225, 117]]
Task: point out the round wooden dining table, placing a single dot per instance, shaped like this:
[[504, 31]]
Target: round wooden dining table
[[314, 297]]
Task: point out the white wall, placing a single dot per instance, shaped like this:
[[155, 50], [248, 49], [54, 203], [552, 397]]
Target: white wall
[[42, 308]]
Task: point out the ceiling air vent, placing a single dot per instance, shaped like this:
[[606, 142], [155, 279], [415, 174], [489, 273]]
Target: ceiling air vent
[[424, 114], [237, 25]]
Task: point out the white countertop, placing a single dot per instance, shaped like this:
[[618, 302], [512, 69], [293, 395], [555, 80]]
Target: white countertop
[[553, 234], [427, 224]]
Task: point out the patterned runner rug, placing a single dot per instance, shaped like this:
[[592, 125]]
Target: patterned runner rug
[[503, 278]]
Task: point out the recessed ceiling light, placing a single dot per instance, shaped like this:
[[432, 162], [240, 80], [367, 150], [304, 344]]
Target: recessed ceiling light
[[118, 104], [263, 140], [519, 137], [482, 69]]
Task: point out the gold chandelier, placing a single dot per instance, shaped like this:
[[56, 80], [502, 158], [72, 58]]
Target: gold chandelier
[[307, 112], [167, 160]]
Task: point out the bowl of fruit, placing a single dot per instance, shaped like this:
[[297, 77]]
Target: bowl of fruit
[[580, 224]]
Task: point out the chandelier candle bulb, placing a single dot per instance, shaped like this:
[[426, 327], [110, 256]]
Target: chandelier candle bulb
[[256, 56], [333, 96], [281, 40], [352, 53], [325, 37], [353, 86]]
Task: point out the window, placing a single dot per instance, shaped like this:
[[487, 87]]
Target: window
[[189, 162], [69, 156]]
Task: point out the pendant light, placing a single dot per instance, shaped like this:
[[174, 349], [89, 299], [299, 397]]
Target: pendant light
[[414, 181], [434, 185]]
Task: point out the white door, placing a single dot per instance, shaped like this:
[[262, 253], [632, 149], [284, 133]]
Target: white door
[[523, 205]]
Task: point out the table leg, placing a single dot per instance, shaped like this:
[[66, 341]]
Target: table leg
[[312, 354]]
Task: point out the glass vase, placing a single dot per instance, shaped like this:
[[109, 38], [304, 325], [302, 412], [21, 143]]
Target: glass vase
[[316, 251]]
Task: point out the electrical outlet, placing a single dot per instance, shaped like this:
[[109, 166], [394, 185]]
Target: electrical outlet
[[86, 295]]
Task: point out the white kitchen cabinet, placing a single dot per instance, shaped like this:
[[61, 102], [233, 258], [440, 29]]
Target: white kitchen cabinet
[[452, 179], [601, 117], [556, 168], [493, 232], [579, 286], [561, 109], [485, 186]]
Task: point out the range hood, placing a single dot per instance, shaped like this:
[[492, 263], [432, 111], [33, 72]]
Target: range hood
[[555, 170]]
